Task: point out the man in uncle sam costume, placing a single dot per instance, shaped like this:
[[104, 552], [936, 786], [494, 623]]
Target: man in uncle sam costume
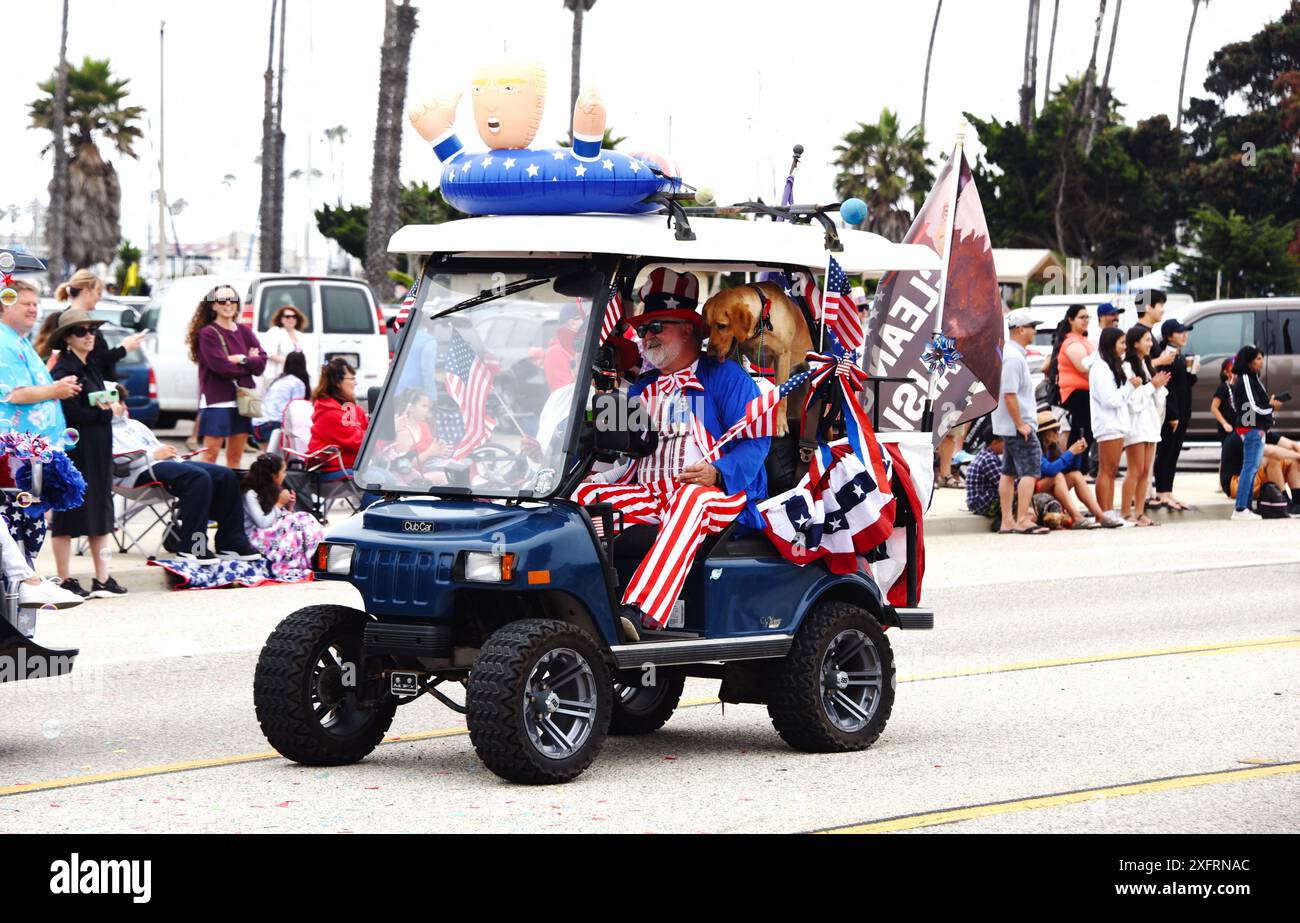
[[691, 485]]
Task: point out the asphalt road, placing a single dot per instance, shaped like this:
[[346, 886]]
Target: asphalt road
[[1154, 689]]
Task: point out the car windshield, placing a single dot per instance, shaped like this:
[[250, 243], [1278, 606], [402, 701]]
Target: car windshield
[[480, 398]]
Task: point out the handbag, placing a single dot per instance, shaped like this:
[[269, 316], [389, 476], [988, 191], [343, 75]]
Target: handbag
[[247, 400]]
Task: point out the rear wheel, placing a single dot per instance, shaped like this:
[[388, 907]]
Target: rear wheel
[[305, 689], [834, 689], [538, 701], [640, 709]]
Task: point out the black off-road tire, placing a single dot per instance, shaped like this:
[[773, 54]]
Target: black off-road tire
[[650, 707], [495, 701], [794, 684], [283, 688]]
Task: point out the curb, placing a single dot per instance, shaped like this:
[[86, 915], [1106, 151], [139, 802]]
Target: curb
[[970, 524]]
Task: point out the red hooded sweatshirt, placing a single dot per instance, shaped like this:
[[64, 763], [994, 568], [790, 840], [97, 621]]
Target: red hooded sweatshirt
[[333, 423]]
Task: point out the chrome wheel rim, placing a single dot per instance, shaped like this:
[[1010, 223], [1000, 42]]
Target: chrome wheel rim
[[851, 681], [560, 703]]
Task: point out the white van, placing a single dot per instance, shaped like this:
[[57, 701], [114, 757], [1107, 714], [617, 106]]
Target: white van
[[343, 321]]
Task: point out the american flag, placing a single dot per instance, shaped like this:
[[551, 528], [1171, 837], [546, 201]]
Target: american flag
[[839, 310], [613, 314], [469, 381], [407, 304]]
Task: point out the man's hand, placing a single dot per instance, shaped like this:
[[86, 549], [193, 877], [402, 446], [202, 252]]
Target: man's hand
[[164, 452], [1024, 429], [434, 115], [589, 114], [701, 473], [67, 387]]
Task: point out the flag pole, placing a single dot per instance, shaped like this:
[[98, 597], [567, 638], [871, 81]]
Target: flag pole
[[826, 279], [954, 166]]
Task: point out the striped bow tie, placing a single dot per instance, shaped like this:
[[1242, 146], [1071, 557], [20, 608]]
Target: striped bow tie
[[680, 380]]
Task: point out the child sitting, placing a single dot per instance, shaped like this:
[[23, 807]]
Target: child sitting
[[287, 539]]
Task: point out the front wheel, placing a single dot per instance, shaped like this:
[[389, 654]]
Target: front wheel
[[833, 691], [538, 701], [305, 689]]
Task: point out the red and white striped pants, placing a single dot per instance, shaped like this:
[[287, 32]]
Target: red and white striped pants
[[688, 512]]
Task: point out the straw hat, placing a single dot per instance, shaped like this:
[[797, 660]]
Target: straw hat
[[73, 317]]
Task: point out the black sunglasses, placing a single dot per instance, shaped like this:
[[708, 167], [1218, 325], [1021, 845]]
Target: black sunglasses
[[225, 301], [80, 331], [655, 326]]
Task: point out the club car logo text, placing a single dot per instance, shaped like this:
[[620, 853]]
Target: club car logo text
[[411, 525]]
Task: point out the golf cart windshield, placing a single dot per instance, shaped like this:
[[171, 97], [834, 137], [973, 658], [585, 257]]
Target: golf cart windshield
[[481, 397]]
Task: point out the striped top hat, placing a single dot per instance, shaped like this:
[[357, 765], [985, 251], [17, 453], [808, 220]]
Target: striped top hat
[[668, 295]]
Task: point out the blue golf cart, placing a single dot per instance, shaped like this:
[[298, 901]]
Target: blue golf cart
[[481, 572]]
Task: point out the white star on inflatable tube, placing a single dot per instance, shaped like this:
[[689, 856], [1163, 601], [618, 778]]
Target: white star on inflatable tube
[[557, 155], [532, 169], [607, 164], [635, 167], [580, 169], [485, 162], [465, 169], [510, 162]]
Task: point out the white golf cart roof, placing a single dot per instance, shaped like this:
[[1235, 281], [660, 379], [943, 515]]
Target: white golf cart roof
[[732, 244]]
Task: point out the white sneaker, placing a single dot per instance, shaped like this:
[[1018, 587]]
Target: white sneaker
[[1245, 516], [46, 593]]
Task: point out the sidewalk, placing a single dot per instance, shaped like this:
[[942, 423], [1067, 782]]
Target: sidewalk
[[948, 515]]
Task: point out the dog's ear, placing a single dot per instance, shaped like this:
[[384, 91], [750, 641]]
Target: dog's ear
[[742, 317]]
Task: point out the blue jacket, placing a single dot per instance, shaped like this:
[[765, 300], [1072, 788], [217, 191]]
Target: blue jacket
[[1064, 462], [728, 389]]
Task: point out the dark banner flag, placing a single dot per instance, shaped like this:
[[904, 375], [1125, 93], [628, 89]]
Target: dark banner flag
[[967, 359]]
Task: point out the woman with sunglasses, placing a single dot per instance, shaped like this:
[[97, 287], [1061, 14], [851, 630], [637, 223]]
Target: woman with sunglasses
[[89, 413], [228, 356], [285, 336]]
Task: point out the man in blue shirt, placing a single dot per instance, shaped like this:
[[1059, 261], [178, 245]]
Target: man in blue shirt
[[29, 398]]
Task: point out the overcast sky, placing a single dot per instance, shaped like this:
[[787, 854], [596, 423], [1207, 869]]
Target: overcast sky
[[725, 88]]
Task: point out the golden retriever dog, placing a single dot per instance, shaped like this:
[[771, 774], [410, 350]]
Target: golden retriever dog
[[735, 319]]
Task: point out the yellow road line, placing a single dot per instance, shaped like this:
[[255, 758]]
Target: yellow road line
[[993, 809], [1222, 647], [217, 762]]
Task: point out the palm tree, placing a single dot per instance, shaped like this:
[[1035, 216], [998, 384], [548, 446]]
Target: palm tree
[[1051, 47], [925, 86], [94, 111], [268, 262], [1101, 106], [56, 227], [385, 187], [1187, 50], [277, 163], [337, 135], [578, 7], [1083, 102], [882, 165], [1029, 85]]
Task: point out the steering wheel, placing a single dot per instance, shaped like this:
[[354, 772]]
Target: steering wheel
[[499, 466]]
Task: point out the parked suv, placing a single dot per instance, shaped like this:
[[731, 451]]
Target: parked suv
[[1220, 328]]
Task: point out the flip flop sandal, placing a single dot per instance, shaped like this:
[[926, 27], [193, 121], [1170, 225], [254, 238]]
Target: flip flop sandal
[[1032, 530], [1147, 521]]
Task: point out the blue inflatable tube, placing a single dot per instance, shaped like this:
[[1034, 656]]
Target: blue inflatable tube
[[550, 182]]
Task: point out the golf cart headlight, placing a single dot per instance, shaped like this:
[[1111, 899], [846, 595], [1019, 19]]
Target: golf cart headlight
[[334, 559], [488, 566]]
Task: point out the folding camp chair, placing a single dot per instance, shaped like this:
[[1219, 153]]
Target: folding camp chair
[[294, 438], [149, 501]]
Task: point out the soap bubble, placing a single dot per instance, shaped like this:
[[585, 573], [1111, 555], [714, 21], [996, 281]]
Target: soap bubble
[[7, 262], [52, 729], [106, 555], [8, 296], [24, 499], [71, 437], [46, 457]]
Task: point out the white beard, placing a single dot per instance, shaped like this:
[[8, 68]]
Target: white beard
[[661, 355]]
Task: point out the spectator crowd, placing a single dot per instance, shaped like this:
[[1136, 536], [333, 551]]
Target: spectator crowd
[[1127, 396], [59, 382]]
